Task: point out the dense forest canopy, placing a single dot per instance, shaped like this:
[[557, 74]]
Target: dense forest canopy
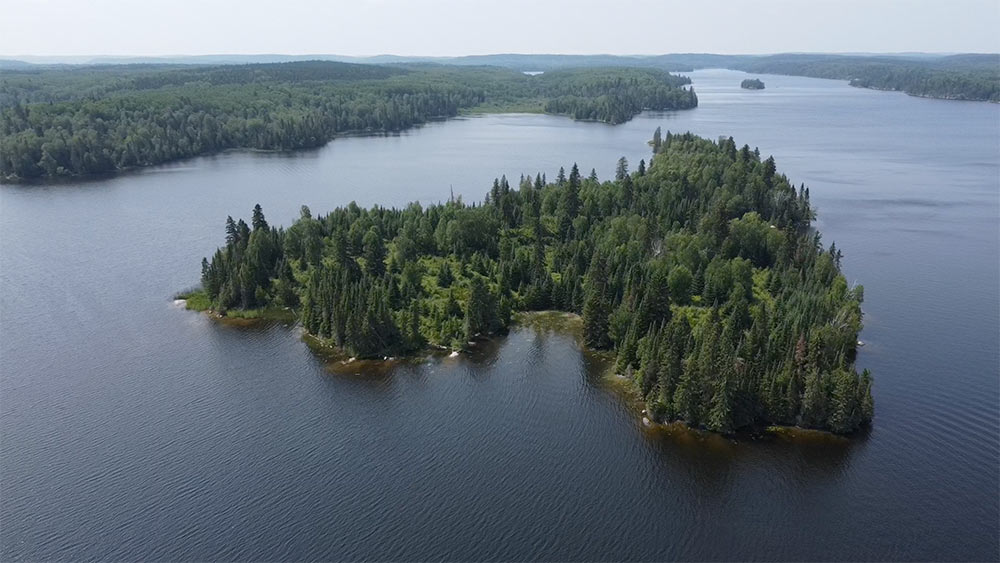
[[700, 272], [970, 76], [959, 77], [752, 84], [102, 119]]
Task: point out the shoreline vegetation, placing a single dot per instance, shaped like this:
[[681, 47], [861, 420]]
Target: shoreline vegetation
[[198, 300], [970, 77], [59, 121], [700, 275], [564, 322], [89, 121]]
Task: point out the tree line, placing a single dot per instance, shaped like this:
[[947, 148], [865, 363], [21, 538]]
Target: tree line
[[699, 271], [958, 77], [100, 120]]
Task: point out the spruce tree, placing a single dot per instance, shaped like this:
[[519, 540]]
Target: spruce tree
[[621, 170], [374, 253]]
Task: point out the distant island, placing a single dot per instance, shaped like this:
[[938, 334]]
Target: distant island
[[93, 120], [700, 273], [752, 84]]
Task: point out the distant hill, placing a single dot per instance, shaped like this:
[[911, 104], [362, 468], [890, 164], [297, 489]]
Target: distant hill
[[13, 64], [965, 76]]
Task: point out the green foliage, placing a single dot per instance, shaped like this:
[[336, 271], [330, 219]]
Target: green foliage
[[614, 95], [680, 283], [959, 77], [58, 122], [196, 300], [707, 282]]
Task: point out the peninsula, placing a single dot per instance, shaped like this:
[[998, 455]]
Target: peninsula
[[700, 272]]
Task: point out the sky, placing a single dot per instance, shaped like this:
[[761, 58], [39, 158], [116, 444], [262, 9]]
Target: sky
[[469, 27]]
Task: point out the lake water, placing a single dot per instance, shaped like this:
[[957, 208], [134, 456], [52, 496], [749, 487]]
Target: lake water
[[131, 429]]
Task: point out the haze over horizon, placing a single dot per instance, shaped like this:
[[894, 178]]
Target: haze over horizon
[[442, 28]]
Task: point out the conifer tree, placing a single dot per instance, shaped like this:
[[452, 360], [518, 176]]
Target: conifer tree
[[621, 170]]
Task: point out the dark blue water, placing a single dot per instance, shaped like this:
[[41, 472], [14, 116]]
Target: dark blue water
[[131, 429]]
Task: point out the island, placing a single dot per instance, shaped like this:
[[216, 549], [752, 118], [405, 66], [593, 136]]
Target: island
[[95, 120], [752, 84], [699, 273]]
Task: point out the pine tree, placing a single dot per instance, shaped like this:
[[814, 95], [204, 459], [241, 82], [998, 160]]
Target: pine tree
[[414, 337], [845, 412], [814, 401], [480, 310], [865, 400], [595, 306], [445, 278], [621, 171], [720, 416], [650, 361], [231, 233], [679, 284], [687, 398], [374, 253], [628, 348], [258, 219]]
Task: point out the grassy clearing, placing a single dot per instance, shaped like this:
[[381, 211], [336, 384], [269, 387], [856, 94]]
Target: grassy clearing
[[197, 300]]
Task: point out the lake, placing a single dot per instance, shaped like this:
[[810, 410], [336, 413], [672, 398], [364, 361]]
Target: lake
[[131, 429]]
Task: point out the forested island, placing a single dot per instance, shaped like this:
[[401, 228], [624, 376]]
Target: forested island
[[700, 273], [91, 120], [752, 84]]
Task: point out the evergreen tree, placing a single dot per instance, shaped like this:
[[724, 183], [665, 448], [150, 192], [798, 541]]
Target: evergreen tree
[[595, 306], [680, 283], [374, 253], [621, 171], [258, 219], [770, 342], [445, 278]]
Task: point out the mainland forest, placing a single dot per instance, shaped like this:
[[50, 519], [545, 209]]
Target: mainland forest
[[955, 77], [698, 272], [91, 120]]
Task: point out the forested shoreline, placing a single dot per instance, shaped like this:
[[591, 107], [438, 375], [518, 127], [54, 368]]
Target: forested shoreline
[[958, 77], [106, 119], [700, 272]]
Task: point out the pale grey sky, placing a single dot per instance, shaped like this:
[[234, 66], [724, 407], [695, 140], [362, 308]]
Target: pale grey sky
[[462, 27]]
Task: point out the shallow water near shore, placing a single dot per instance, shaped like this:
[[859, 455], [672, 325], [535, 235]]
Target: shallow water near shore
[[133, 429]]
